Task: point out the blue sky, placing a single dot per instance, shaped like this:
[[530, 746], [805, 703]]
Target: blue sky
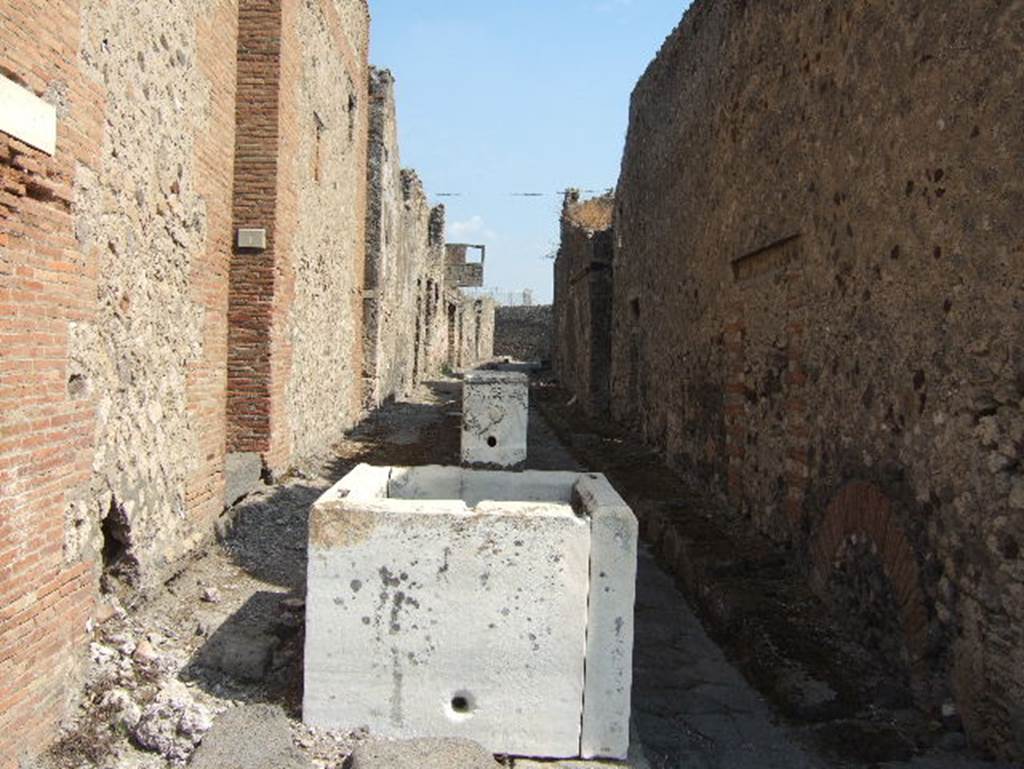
[[508, 97]]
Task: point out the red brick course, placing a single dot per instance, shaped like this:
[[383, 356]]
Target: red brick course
[[860, 508], [45, 437]]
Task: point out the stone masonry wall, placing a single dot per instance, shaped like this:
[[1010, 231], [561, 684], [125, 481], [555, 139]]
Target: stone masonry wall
[[817, 307], [300, 174], [582, 311], [325, 318], [476, 331], [387, 299], [113, 256], [414, 324], [524, 333]]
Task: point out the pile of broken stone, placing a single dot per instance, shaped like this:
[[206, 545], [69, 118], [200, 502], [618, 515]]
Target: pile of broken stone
[[133, 689]]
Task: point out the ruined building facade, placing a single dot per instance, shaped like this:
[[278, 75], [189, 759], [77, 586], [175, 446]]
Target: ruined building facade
[[817, 304], [414, 312], [583, 301], [146, 352]]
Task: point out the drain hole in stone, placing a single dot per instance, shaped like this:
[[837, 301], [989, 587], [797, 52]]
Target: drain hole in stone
[[461, 706], [492, 441]]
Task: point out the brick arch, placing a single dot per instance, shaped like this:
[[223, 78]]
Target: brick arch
[[860, 508]]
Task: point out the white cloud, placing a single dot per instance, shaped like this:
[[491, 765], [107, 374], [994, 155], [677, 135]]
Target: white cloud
[[474, 228]]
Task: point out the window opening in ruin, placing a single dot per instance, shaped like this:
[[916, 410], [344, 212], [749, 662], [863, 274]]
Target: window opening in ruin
[[319, 127], [492, 442], [460, 704], [634, 306]]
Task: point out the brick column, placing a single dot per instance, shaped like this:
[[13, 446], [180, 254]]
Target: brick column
[[257, 277]]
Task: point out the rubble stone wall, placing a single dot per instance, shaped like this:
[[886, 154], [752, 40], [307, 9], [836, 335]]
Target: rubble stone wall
[[388, 303], [113, 261], [324, 322], [581, 338], [817, 306], [524, 333]]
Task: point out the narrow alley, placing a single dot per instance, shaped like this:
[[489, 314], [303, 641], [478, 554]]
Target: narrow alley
[[547, 385], [220, 645]]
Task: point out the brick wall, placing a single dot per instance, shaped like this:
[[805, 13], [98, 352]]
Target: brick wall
[[816, 310], [252, 274]]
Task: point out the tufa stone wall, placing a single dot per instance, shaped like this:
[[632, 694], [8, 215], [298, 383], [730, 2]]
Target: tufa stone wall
[[583, 301], [325, 318], [155, 214], [113, 256], [817, 308], [524, 333]]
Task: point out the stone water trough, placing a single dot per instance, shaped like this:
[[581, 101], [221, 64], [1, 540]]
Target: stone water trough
[[494, 418], [494, 606]]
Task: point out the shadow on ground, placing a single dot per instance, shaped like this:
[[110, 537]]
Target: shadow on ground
[[254, 654]]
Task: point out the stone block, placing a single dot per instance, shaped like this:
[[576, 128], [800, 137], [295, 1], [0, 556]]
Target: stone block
[[250, 737], [25, 116], [448, 602], [495, 407], [243, 472]]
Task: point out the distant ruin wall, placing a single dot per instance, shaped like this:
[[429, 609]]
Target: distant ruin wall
[[523, 333], [581, 337], [817, 306]]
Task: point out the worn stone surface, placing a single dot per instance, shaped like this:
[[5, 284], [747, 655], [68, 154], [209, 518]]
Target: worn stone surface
[[581, 339], [495, 409], [523, 333], [391, 641], [815, 285], [242, 474], [422, 754], [476, 589], [145, 211], [249, 737]]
